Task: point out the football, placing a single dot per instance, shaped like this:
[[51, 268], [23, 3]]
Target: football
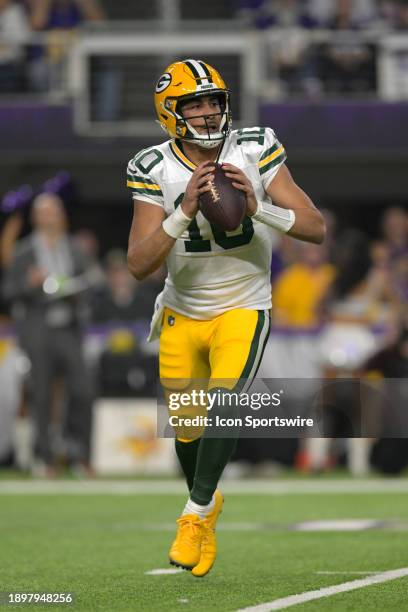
[[224, 205]]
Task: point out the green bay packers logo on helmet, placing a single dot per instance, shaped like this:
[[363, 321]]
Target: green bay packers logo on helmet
[[183, 81], [163, 82]]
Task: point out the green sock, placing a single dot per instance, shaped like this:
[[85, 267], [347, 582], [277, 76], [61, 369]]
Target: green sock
[[213, 453], [187, 455], [213, 456]]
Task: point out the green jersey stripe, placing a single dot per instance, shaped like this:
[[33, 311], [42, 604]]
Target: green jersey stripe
[[278, 160], [268, 152], [135, 178], [150, 192]]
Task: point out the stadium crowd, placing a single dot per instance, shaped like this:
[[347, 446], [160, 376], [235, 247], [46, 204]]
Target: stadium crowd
[[335, 307], [36, 36]]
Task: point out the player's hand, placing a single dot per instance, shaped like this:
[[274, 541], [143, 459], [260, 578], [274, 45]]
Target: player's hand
[[198, 184], [241, 181]]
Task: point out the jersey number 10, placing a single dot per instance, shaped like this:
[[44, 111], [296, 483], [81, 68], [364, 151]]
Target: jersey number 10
[[197, 244]]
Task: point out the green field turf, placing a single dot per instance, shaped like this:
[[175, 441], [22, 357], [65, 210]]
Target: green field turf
[[100, 546]]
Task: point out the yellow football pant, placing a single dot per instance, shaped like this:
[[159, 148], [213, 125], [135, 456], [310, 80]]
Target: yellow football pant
[[210, 354]]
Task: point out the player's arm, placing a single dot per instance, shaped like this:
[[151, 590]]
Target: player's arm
[[149, 244], [152, 235], [301, 219], [309, 224]]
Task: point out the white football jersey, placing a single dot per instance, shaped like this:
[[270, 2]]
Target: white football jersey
[[211, 271]]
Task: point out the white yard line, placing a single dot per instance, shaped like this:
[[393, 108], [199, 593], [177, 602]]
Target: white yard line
[[164, 571], [293, 600], [340, 525], [137, 526], [177, 487], [333, 573]]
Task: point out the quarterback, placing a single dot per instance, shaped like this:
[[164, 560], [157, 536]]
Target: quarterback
[[214, 312]]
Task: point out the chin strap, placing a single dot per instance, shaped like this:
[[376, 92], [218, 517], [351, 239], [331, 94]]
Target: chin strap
[[212, 140], [205, 144]]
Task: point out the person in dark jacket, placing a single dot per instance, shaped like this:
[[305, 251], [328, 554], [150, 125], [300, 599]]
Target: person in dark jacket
[[45, 283]]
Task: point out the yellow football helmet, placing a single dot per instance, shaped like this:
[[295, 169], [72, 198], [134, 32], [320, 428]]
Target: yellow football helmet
[[184, 80]]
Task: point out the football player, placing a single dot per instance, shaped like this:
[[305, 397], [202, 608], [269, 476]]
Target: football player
[[213, 314]]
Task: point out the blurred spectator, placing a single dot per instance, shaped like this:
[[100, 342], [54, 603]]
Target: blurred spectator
[[14, 33], [301, 288], [63, 14], [123, 299], [389, 369], [263, 14], [401, 16], [347, 63], [355, 306], [60, 19], [124, 307], [10, 385], [295, 55], [362, 299], [45, 283], [388, 13], [395, 232], [11, 380], [8, 237], [362, 12], [362, 310], [392, 360], [88, 243], [284, 252], [384, 281], [292, 57], [297, 295], [63, 17]]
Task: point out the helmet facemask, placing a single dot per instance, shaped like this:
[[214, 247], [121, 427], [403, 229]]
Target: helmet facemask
[[188, 133]]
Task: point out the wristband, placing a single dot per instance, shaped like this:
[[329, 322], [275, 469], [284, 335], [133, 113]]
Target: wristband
[[176, 223], [279, 218]]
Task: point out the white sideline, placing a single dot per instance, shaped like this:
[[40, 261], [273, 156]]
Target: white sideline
[[333, 573], [293, 600], [164, 572], [230, 487], [341, 525]]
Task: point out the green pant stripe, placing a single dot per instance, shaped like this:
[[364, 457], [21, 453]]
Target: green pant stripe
[[252, 352], [262, 353]]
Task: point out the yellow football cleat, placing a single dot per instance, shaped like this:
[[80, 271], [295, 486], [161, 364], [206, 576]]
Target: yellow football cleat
[[185, 551], [212, 516], [209, 542]]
